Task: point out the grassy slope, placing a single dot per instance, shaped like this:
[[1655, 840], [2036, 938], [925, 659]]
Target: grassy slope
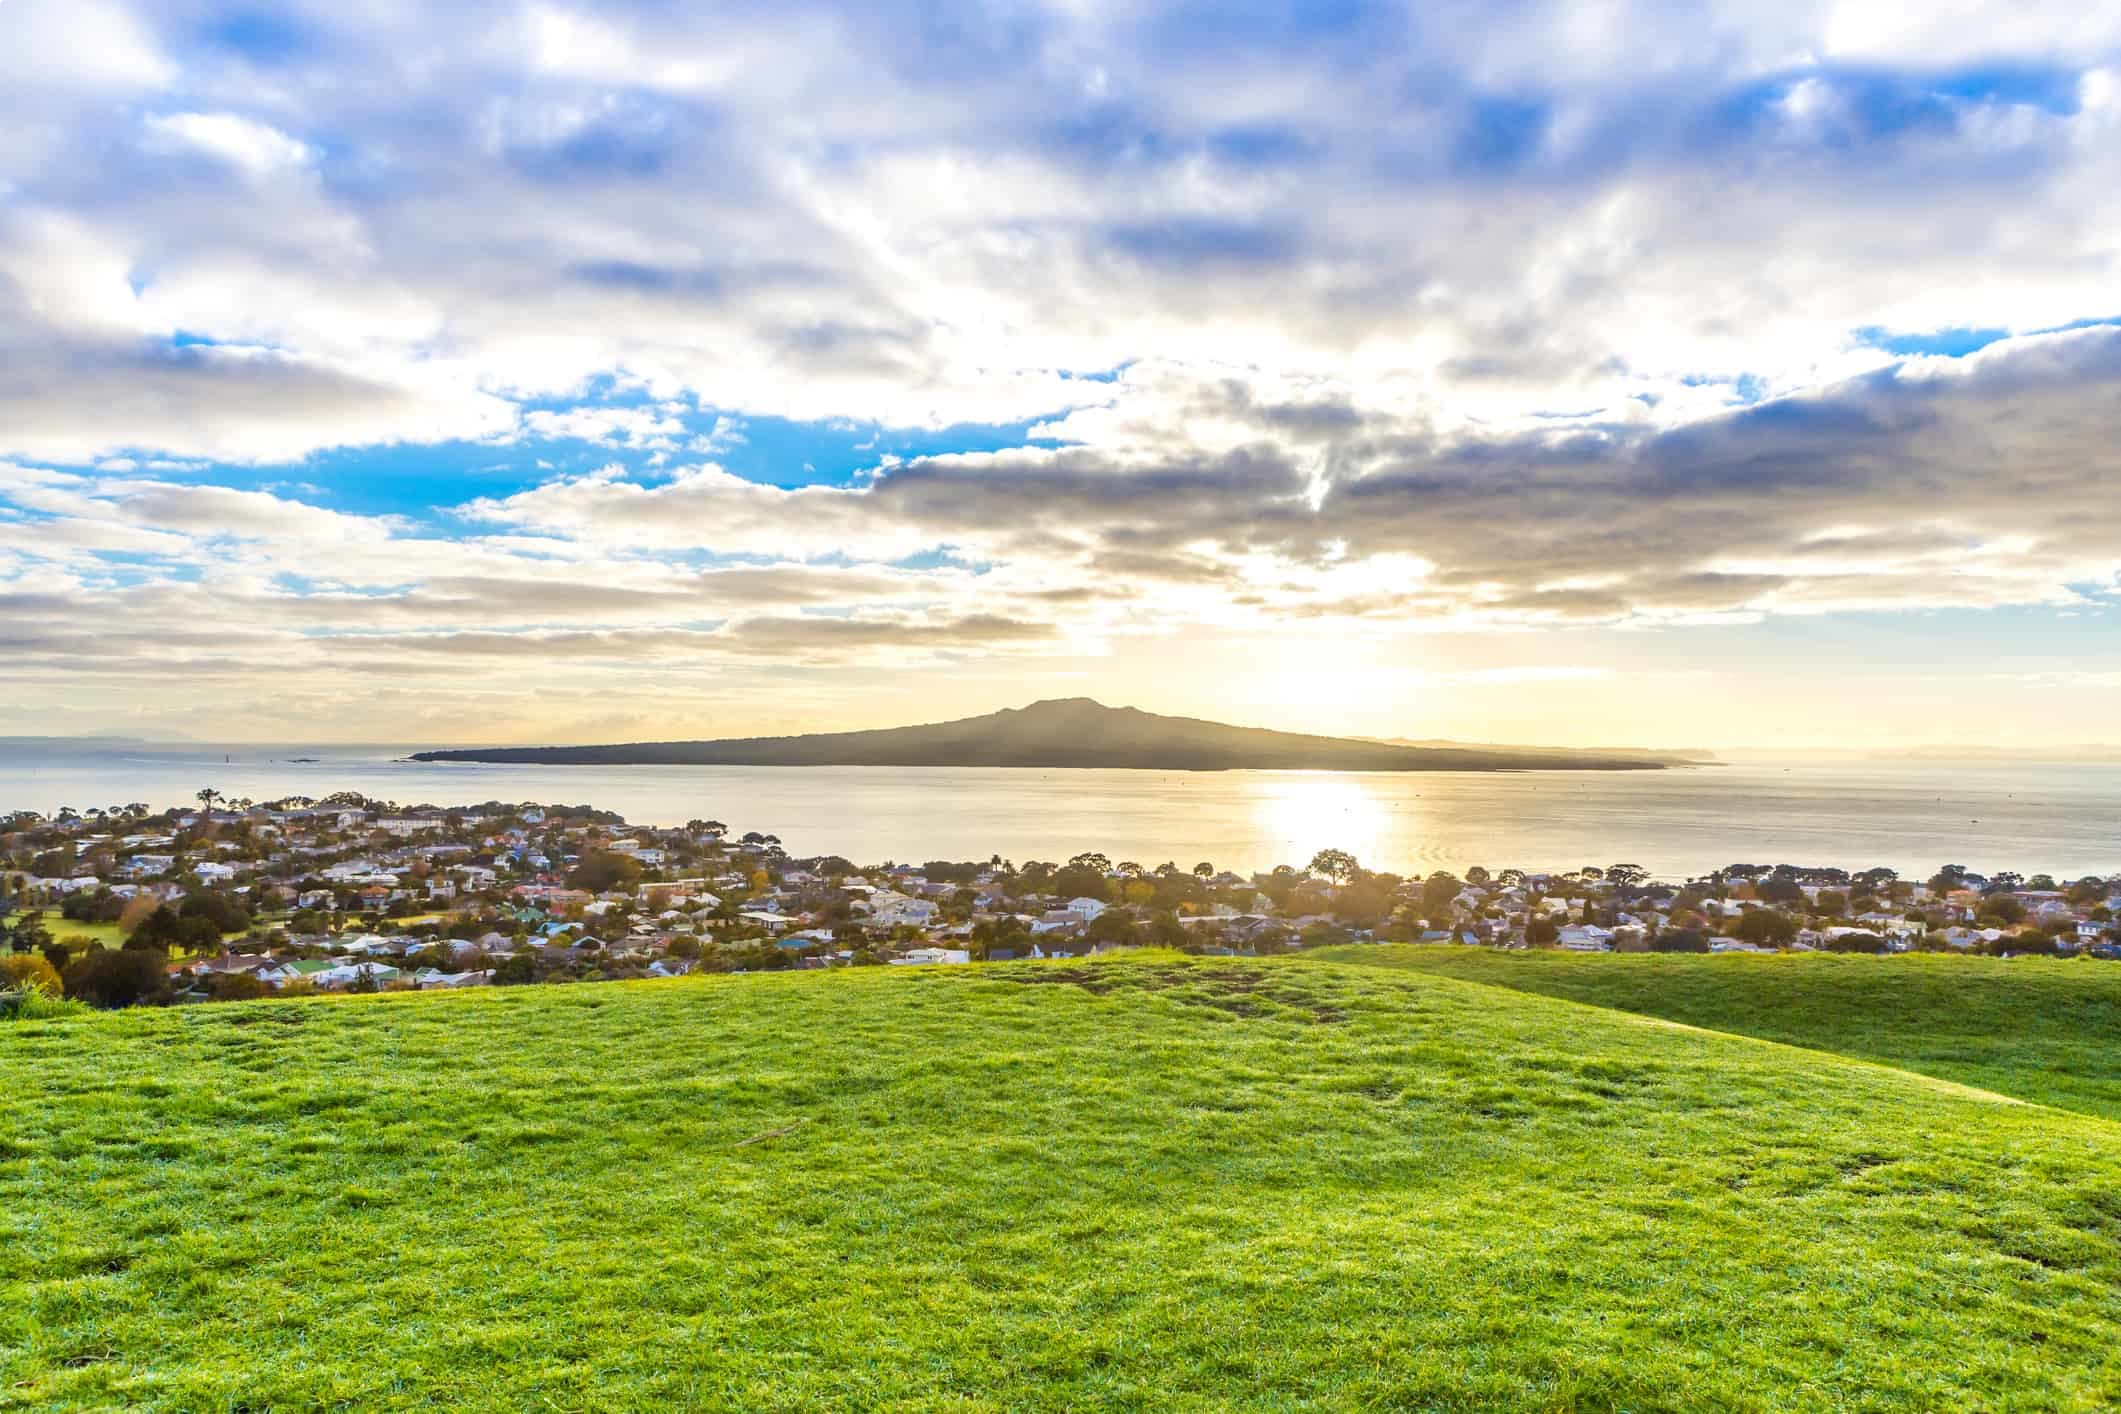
[[2038, 1029], [1181, 1185]]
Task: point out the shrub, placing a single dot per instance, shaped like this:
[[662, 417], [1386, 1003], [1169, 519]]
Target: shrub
[[108, 978], [1858, 942], [30, 970], [1679, 940], [236, 987]]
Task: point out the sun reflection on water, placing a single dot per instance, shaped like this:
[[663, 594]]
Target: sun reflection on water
[[1308, 812]]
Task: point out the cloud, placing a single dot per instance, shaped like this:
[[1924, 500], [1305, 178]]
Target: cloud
[[1526, 319], [255, 148]]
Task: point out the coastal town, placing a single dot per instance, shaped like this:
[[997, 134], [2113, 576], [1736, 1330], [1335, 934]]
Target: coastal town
[[238, 899]]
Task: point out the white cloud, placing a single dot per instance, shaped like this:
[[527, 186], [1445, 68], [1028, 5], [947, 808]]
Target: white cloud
[[256, 148], [1423, 320]]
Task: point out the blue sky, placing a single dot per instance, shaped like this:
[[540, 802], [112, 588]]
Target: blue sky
[[527, 370]]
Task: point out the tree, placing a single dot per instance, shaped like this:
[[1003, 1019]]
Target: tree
[[1438, 890], [1857, 942], [138, 909], [1335, 864], [1541, 932], [236, 987], [1111, 926], [600, 870], [1779, 888], [515, 971], [1679, 940], [1204, 871], [2004, 908], [207, 797], [1361, 904], [222, 911], [1079, 881], [1766, 927], [109, 978]]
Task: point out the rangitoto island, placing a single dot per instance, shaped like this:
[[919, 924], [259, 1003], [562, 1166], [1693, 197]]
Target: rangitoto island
[[1073, 732]]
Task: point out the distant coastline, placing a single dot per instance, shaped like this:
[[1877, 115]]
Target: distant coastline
[[1070, 733]]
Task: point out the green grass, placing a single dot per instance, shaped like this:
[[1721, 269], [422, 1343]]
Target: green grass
[[65, 928], [1149, 1183], [2035, 1028]]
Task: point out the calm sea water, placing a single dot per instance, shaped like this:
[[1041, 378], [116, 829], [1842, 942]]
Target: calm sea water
[[2064, 819]]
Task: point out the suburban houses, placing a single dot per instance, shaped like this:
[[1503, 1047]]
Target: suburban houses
[[239, 899]]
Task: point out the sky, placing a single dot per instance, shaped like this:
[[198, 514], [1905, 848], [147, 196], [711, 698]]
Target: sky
[[1611, 372]]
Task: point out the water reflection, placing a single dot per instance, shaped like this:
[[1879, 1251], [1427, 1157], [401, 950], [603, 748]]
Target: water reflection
[[1304, 813], [1912, 816]]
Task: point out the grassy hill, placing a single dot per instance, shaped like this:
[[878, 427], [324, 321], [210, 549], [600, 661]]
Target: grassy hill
[[1149, 1183], [2036, 1028]]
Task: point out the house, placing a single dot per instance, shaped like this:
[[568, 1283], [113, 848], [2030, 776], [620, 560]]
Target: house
[[1585, 937], [212, 873], [434, 977], [888, 908], [929, 956], [1085, 910], [299, 970], [348, 974]]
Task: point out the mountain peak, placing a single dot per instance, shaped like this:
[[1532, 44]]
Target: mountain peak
[[1068, 704]]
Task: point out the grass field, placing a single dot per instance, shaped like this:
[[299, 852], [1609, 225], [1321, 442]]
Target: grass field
[[2036, 1028], [66, 928], [1146, 1183]]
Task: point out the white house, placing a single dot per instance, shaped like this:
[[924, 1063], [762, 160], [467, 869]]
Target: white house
[[918, 957], [1085, 909], [1585, 937], [890, 909], [434, 977], [348, 973]]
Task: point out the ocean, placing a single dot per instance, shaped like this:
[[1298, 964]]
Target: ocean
[[2063, 819]]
